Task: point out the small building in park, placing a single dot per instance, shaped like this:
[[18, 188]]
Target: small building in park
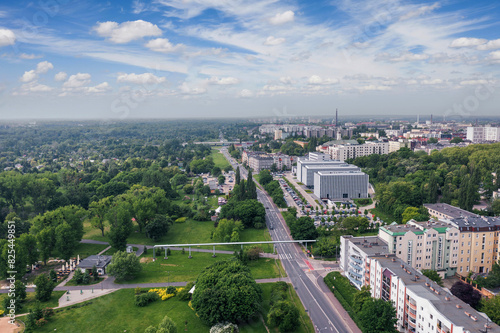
[[100, 262]]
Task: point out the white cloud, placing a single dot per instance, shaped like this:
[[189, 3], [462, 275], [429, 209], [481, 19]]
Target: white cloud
[[286, 80], [494, 56], [126, 31], [145, 78], [77, 80], [274, 41], [163, 45], [100, 88], [473, 82], [467, 42], [490, 45], [373, 87], [34, 86], [187, 90], [282, 18], [223, 81], [61, 76], [245, 93], [43, 67], [315, 79], [419, 12], [432, 82], [29, 56], [29, 76], [410, 57], [7, 37]]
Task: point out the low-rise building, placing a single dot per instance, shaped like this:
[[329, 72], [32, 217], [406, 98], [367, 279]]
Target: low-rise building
[[341, 184], [445, 211]]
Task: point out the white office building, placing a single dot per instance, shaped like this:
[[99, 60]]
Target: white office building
[[343, 152]]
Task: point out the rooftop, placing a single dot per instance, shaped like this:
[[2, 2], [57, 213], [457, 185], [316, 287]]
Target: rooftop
[[444, 302], [478, 222], [341, 172], [95, 260], [371, 245], [451, 211]]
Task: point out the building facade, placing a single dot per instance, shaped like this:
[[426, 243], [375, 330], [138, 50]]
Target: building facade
[[344, 152], [480, 134], [341, 184]]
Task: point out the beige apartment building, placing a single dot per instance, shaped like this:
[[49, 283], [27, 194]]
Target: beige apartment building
[[428, 245]]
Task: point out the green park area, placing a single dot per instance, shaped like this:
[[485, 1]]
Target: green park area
[[116, 312], [179, 268], [30, 301], [219, 159]]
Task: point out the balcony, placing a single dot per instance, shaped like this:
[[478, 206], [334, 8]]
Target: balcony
[[414, 325], [412, 315], [443, 330], [356, 267], [411, 305], [359, 261], [356, 275]]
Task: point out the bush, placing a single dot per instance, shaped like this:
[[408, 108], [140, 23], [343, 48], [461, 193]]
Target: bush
[[145, 299], [184, 294], [171, 290], [285, 315], [181, 220]]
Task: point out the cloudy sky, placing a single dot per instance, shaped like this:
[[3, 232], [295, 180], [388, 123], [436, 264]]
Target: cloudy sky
[[212, 58]]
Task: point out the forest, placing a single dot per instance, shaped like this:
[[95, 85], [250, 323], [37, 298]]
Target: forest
[[457, 176]]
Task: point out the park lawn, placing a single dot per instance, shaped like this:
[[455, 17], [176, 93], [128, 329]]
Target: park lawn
[[116, 312], [30, 301], [306, 325], [219, 159], [85, 250], [383, 216], [179, 268]]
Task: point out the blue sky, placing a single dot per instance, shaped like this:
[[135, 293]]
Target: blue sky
[[217, 58]]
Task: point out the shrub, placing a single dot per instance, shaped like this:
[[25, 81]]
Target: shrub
[[145, 299], [171, 290], [184, 294], [47, 313], [137, 290], [40, 322], [224, 328], [181, 220]]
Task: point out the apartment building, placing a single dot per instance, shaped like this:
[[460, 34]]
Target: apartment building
[[478, 243], [260, 162], [427, 245], [480, 134], [421, 305], [346, 151]]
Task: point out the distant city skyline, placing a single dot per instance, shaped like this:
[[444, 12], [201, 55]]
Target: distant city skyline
[[119, 60]]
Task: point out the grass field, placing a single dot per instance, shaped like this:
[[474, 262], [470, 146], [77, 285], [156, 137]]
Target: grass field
[[219, 159], [179, 268], [30, 301], [383, 216], [116, 313], [190, 231], [85, 250]]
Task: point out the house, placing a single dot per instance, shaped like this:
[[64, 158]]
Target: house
[[100, 262]]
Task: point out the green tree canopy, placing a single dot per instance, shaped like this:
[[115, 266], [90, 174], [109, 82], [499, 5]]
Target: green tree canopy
[[124, 266]]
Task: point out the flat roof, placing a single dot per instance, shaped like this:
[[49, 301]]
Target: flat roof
[[478, 222], [371, 245], [452, 211], [98, 261], [340, 173], [446, 307]]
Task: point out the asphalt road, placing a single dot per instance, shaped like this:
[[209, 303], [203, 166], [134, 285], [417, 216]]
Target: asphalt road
[[324, 317]]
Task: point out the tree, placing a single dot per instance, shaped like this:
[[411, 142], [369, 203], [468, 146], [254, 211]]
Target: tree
[[432, 140], [98, 211], [221, 179], [20, 290], [284, 315], [265, 177], [492, 308], [65, 241], [378, 316], [46, 241], [303, 228], [495, 207], [466, 293], [360, 297], [124, 266], [433, 275], [158, 227], [237, 176], [167, 325], [44, 287], [120, 221], [456, 140], [227, 231], [28, 242], [250, 212], [410, 213], [226, 291], [251, 192]]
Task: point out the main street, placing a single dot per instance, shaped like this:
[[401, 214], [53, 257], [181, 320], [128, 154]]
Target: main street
[[324, 316]]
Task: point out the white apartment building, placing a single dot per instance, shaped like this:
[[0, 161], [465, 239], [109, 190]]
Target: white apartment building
[[486, 133], [421, 305], [343, 152]]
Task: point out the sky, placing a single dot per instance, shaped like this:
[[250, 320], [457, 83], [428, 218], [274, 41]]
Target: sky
[[119, 60]]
